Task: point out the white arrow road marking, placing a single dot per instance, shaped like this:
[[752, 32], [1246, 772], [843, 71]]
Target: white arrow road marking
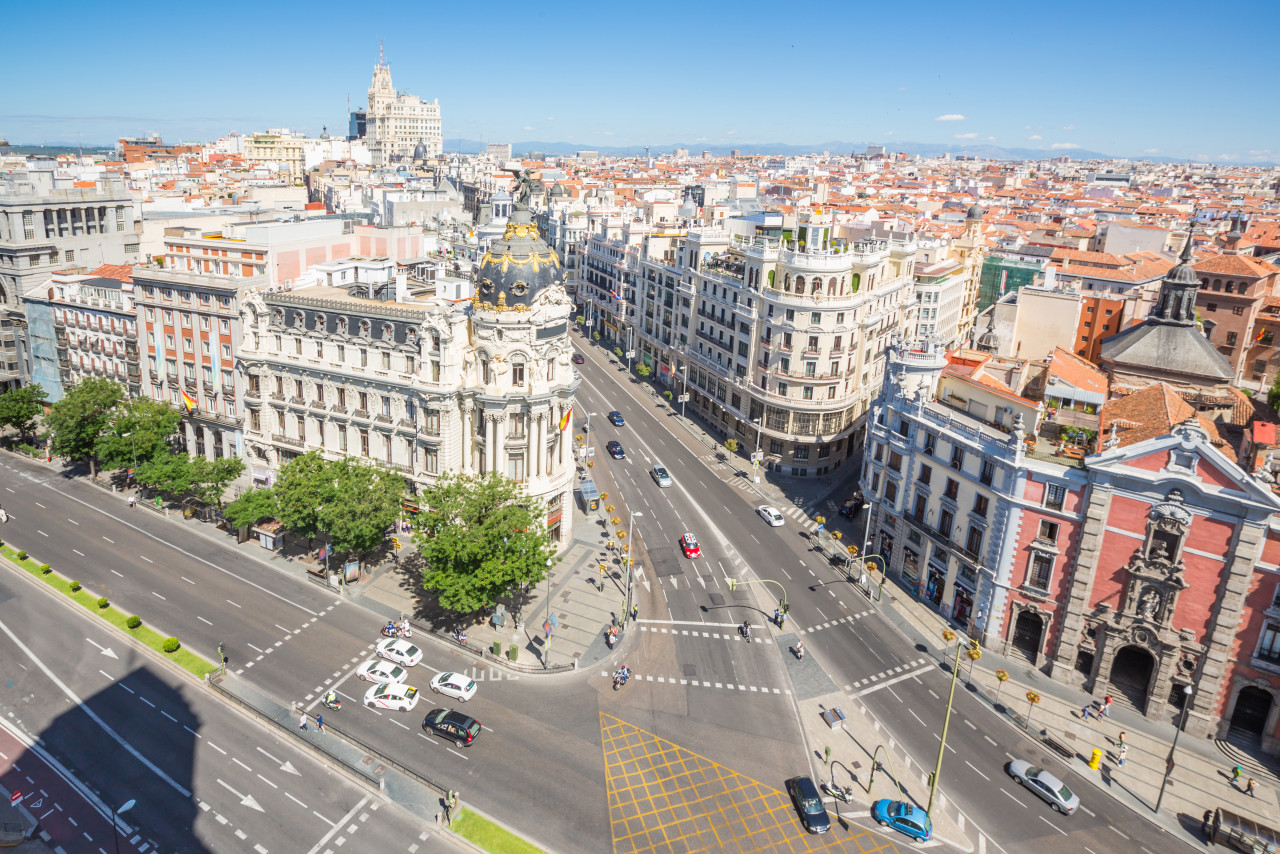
[[245, 800], [286, 766], [106, 650]]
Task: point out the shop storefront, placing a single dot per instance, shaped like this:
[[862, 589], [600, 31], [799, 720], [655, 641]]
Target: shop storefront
[[936, 577], [910, 566]]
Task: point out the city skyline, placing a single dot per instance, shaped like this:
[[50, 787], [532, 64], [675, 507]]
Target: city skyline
[[1011, 77]]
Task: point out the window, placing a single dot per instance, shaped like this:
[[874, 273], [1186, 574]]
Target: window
[[364, 401], [945, 522], [957, 458], [973, 543], [408, 364], [517, 374], [297, 346], [775, 446], [364, 358], [815, 318], [297, 389], [1232, 337], [1211, 306], [433, 422], [1054, 495], [890, 491], [895, 461], [204, 323], [410, 412], [926, 474], [1040, 571], [255, 420], [186, 320], [342, 397], [386, 361], [319, 349], [952, 490], [188, 345], [1048, 531], [1237, 310], [386, 406], [930, 443], [364, 443], [342, 439], [515, 467], [918, 510], [226, 352], [342, 353], [878, 453], [801, 453], [980, 505], [431, 458]]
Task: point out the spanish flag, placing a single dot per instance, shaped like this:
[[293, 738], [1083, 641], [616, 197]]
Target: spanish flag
[[564, 421], [186, 400]]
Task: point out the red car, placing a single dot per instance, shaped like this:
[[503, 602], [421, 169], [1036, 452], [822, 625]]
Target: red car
[[689, 543]]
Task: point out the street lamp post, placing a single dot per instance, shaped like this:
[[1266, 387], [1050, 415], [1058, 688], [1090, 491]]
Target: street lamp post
[[115, 820], [628, 557], [948, 635], [1168, 763], [684, 389], [783, 607]]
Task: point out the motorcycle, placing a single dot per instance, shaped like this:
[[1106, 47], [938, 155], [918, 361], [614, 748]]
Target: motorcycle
[[460, 637], [842, 793], [620, 678], [334, 705], [397, 632]]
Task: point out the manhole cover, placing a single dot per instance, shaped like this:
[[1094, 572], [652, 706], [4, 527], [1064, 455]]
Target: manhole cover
[[690, 670]]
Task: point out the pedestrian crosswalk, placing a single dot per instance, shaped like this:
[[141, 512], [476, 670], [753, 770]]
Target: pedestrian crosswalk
[[735, 636], [836, 622], [698, 683]]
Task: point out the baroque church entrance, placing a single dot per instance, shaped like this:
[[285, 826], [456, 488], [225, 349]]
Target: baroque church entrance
[[1027, 631], [1131, 675]]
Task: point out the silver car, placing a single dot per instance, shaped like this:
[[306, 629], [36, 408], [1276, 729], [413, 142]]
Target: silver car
[[661, 476], [1050, 789]]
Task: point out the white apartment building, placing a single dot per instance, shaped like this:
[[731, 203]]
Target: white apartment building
[[396, 122]]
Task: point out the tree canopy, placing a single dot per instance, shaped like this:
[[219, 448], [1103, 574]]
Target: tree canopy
[[79, 419], [140, 431], [20, 406], [482, 537], [305, 484], [251, 508], [364, 504], [210, 478]]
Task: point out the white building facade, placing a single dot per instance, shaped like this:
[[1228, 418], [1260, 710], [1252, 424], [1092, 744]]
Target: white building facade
[[395, 123]]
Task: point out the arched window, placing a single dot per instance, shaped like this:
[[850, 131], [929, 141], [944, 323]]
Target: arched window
[[855, 281], [771, 272], [831, 287], [786, 283], [1244, 288], [799, 284]]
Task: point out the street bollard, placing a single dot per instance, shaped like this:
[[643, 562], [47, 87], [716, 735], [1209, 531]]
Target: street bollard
[[1095, 759]]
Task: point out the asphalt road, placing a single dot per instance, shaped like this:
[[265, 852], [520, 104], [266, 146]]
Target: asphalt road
[[204, 777], [859, 644]]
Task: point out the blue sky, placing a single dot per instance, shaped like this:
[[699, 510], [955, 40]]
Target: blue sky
[[1124, 78]]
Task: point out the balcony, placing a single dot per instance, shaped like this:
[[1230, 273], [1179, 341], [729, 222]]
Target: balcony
[[281, 439]]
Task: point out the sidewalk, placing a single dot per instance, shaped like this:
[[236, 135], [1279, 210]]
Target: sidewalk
[[1201, 778]]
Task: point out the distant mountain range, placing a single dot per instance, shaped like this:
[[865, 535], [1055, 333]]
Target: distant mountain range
[[924, 149]]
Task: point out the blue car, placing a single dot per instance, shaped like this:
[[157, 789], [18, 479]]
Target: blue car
[[903, 817], [615, 418]]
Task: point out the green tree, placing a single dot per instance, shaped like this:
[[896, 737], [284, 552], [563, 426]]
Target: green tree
[[20, 406], [79, 419], [139, 432], [1273, 395], [482, 538], [365, 502], [251, 508], [731, 445], [170, 473], [305, 484], [210, 478], [643, 370]]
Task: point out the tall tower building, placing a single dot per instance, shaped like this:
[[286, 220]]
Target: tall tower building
[[395, 123]]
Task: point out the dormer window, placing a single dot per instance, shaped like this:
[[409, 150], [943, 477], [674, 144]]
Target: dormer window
[[342, 325]]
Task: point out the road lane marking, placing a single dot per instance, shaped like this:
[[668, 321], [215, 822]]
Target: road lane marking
[[147, 559], [113, 572], [910, 674], [188, 580], [203, 620], [323, 843], [217, 748], [975, 770], [1015, 800], [232, 603], [295, 800], [158, 596], [268, 782], [1054, 826], [1118, 833], [77, 551], [242, 765], [109, 540], [73, 521]]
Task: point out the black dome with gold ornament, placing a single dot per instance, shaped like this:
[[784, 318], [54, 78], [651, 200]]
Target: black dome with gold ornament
[[517, 266]]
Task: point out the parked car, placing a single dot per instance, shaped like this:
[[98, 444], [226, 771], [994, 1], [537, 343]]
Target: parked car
[[615, 450], [689, 545], [392, 695], [770, 515], [903, 817], [455, 685], [615, 418], [661, 476], [1050, 789], [454, 726], [808, 802]]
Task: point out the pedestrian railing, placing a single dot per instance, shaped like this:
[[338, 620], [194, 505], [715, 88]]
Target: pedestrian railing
[[486, 654]]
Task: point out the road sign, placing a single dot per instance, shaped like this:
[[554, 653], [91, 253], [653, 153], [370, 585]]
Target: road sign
[[757, 456], [684, 398], [631, 354], [548, 628], [15, 799]]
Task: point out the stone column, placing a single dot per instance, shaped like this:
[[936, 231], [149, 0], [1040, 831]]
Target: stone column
[[468, 439], [1062, 664], [499, 433], [532, 423]]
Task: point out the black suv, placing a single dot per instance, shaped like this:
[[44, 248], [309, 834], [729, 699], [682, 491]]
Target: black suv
[[455, 726]]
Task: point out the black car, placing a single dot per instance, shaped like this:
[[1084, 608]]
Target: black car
[[853, 505], [615, 418], [577, 359], [615, 450], [454, 726], [804, 794]]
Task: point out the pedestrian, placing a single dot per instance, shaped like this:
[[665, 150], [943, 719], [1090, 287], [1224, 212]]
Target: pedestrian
[[320, 728], [800, 651], [1207, 822], [1235, 774], [635, 612], [1251, 786], [1122, 738], [608, 638], [1124, 749], [133, 502], [1084, 711], [302, 722], [614, 635], [1106, 707], [777, 617]]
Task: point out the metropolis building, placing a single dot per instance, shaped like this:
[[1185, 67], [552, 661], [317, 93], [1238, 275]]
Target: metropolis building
[[422, 379]]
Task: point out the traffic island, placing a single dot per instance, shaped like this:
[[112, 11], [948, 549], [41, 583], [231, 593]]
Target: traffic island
[[488, 835], [850, 749]]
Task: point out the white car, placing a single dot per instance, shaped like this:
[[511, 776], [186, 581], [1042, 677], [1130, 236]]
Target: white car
[[395, 696], [400, 651], [455, 685], [377, 670], [770, 515]]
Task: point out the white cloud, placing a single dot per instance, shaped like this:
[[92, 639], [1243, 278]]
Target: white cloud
[[551, 118], [950, 117], [1064, 145], [607, 132], [528, 127], [888, 133], [730, 133], [966, 136], [701, 139], [1150, 151], [1069, 127], [1035, 136], [991, 139]]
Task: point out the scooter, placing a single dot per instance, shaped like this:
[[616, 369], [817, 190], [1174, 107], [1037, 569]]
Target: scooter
[[391, 631], [460, 637], [620, 678], [841, 793], [333, 705]]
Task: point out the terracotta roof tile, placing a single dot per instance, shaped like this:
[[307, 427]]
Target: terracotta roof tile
[[119, 272], [1079, 373]]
